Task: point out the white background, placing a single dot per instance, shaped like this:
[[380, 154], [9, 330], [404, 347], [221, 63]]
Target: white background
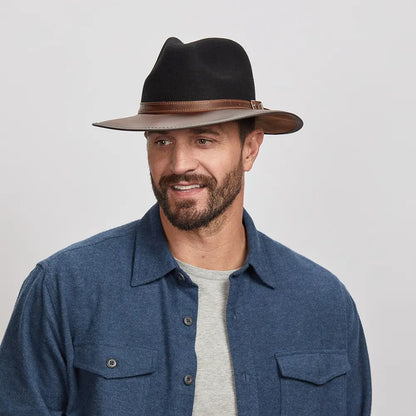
[[341, 191]]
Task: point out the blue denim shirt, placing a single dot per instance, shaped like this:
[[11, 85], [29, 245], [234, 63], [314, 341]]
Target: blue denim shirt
[[98, 329]]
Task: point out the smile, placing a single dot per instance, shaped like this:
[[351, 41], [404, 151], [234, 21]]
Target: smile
[[186, 187]]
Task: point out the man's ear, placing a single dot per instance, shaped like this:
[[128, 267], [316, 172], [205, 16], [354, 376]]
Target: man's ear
[[251, 148]]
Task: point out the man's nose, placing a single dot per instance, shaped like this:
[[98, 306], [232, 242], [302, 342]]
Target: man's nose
[[183, 159]]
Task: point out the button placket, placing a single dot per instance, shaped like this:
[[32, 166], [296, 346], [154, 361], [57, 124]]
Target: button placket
[[188, 301]]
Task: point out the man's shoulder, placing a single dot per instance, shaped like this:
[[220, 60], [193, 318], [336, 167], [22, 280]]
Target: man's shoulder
[[294, 268], [104, 243]]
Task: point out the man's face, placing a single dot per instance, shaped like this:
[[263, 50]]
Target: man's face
[[196, 173]]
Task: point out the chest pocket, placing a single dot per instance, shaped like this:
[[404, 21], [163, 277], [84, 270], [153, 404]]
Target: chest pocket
[[313, 384], [113, 379]]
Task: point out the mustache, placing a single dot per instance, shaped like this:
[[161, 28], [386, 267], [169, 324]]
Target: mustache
[[169, 180]]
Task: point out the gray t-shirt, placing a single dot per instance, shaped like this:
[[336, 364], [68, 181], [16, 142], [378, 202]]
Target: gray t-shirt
[[214, 384]]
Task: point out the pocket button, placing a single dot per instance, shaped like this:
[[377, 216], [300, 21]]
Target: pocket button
[[111, 363]]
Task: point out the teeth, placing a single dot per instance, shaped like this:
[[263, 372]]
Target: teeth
[[186, 187]]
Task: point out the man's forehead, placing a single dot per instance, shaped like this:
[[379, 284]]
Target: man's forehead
[[215, 129]]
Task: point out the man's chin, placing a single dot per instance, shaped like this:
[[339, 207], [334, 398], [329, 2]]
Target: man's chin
[[187, 218], [184, 205]]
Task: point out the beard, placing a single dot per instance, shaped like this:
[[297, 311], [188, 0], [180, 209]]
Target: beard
[[184, 214]]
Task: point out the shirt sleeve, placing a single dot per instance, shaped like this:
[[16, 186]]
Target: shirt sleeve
[[358, 378], [32, 361]]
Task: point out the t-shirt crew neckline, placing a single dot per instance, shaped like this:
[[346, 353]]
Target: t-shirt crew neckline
[[205, 273]]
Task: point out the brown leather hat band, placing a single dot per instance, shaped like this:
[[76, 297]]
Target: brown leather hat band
[[165, 107]]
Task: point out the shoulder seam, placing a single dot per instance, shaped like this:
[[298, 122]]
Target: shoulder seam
[[70, 248], [45, 285]]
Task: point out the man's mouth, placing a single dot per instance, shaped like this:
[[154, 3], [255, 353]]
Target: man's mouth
[[187, 187]]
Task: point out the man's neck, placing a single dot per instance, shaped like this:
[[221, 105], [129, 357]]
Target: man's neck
[[220, 246]]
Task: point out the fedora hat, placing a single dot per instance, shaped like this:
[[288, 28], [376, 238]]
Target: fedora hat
[[205, 82]]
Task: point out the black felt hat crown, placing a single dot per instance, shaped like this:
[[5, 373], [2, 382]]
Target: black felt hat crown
[[208, 69], [208, 81]]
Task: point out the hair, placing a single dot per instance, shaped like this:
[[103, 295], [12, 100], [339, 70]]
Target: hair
[[245, 127]]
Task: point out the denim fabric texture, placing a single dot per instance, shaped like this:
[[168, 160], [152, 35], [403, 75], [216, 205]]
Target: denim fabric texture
[[98, 329]]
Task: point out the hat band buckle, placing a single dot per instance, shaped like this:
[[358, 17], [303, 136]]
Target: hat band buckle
[[256, 105]]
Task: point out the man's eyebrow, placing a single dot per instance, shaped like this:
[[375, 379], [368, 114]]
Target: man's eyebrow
[[202, 130], [148, 132]]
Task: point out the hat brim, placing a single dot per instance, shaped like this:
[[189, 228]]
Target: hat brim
[[271, 121]]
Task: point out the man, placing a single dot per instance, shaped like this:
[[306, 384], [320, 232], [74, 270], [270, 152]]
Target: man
[[190, 310]]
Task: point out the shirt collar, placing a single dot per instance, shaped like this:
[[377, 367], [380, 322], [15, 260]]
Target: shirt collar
[[257, 256], [152, 256], [153, 259]]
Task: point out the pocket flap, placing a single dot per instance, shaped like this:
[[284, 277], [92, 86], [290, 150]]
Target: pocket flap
[[314, 367], [112, 361]]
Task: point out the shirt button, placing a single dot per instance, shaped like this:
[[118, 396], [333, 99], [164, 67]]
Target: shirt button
[[188, 379], [181, 277], [111, 363], [188, 320]]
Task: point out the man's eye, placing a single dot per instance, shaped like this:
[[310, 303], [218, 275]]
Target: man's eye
[[162, 142], [203, 141]]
